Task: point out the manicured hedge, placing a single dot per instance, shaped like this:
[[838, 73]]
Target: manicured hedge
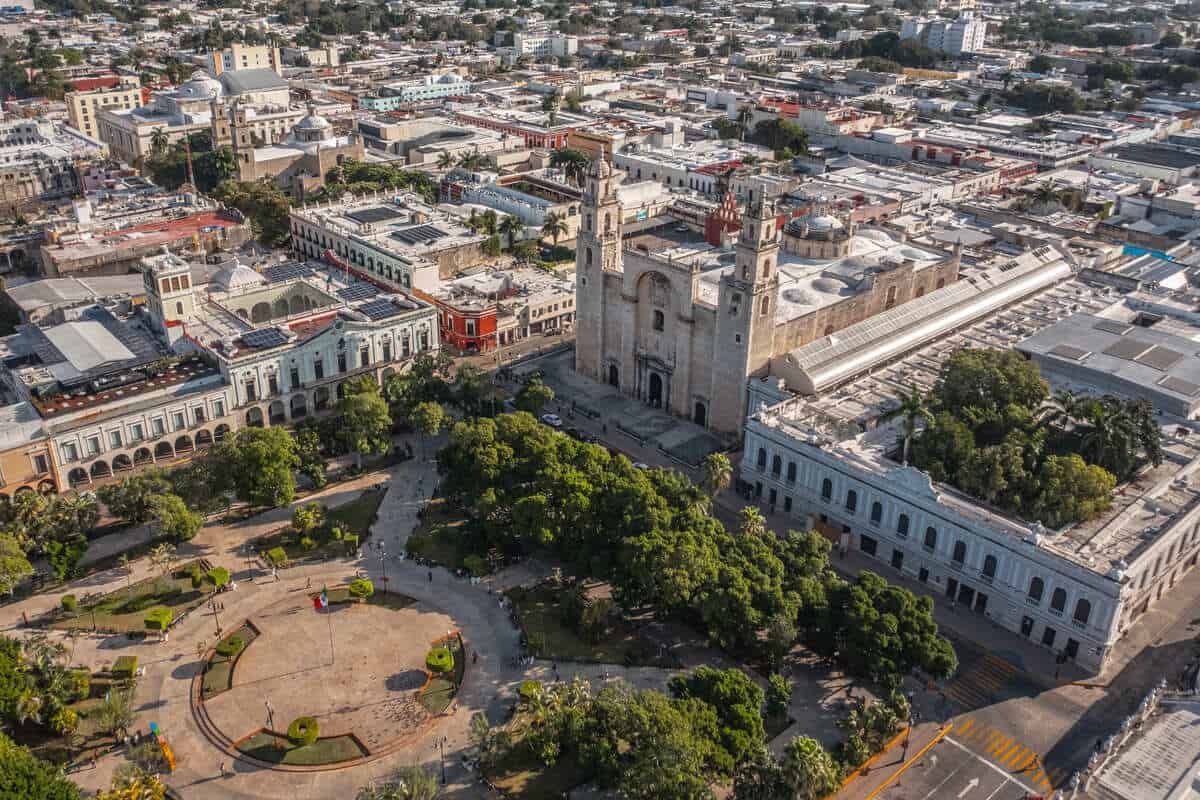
[[440, 660], [231, 646], [69, 603], [276, 557], [159, 618], [125, 666], [303, 731], [219, 576]]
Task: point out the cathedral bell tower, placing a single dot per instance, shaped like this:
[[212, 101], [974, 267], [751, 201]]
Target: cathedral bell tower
[[597, 255], [746, 317]]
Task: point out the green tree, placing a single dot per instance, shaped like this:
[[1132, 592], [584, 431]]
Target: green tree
[[365, 423], [261, 461], [737, 701], [533, 396], [510, 226], [554, 226], [913, 410], [132, 498], [308, 518], [1040, 64], [808, 770], [14, 566], [173, 519], [428, 419], [263, 204], [406, 783], [573, 163], [779, 696], [159, 142], [24, 776], [716, 473], [308, 451]]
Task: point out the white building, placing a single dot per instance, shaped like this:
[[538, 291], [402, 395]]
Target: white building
[[544, 46], [963, 35]]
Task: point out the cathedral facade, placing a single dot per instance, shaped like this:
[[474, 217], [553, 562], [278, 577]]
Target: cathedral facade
[[683, 329]]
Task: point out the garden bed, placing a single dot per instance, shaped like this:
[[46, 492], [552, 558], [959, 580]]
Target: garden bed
[[89, 739], [355, 518], [218, 672], [438, 692], [549, 636], [124, 610], [339, 595], [275, 748], [519, 774]]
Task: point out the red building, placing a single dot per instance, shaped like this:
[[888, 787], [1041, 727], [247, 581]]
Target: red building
[[470, 327]]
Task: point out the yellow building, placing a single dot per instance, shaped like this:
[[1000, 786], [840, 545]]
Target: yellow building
[[242, 56], [27, 465], [84, 107]]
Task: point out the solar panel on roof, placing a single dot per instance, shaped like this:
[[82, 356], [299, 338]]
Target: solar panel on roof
[[380, 309], [376, 214], [1069, 351], [1128, 349], [266, 337], [421, 234], [358, 291], [1112, 326], [286, 272], [1159, 357], [1179, 385]]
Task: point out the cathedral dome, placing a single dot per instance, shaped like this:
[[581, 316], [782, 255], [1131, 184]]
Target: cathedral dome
[[824, 223], [313, 122], [200, 87], [236, 277]]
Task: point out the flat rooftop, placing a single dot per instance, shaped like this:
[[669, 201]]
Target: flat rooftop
[[1157, 156]]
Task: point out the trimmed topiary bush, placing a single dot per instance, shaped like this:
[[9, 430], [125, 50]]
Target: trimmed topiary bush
[[303, 731], [219, 576], [69, 603], [125, 667], [351, 540], [475, 565], [307, 543], [231, 646], [79, 684], [440, 660], [197, 576], [360, 589], [276, 557], [159, 618]]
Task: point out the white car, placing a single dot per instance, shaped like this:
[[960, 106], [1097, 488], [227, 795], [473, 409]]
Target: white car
[[641, 465], [553, 420]]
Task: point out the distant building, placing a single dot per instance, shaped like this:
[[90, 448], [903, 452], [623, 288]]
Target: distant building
[[298, 163], [478, 313], [41, 160], [242, 56], [84, 107], [431, 87], [963, 35]]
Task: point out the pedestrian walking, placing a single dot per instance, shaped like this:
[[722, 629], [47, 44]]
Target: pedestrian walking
[[308, 583], [222, 768], [475, 657], [431, 576]]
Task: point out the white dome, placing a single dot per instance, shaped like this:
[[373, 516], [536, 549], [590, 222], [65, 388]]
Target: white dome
[[824, 223], [313, 122], [235, 277], [200, 87]]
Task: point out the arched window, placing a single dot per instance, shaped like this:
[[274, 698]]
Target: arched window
[[1036, 587], [826, 489], [776, 466], [902, 526], [876, 513], [587, 256], [930, 538], [658, 320], [1083, 610], [765, 305], [767, 268], [960, 553], [1058, 600], [179, 308], [851, 501], [989, 567], [791, 472], [762, 458]]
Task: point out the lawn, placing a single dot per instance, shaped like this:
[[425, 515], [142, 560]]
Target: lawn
[[392, 600], [354, 517], [437, 694], [125, 610], [218, 673], [549, 636], [440, 535], [276, 749], [520, 775]]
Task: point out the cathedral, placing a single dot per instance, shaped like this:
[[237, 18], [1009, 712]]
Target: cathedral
[[682, 325]]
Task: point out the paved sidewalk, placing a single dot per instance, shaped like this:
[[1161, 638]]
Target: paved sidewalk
[[886, 769]]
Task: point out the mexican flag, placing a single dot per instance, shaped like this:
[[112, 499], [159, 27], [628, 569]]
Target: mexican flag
[[321, 600]]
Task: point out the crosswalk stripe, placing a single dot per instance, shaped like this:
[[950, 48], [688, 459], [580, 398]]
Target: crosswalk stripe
[[966, 726], [1040, 776], [1023, 763], [1000, 745], [1015, 756], [1003, 754], [1045, 784]]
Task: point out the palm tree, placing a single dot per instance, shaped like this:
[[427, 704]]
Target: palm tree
[[510, 226], [912, 409], [716, 472], [808, 771], [445, 160], [159, 141], [1110, 436], [554, 226], [488, 222], [1062, 409], [751, 522]]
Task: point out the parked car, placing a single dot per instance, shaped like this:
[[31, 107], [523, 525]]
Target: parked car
[[553, 420], [641, 465]]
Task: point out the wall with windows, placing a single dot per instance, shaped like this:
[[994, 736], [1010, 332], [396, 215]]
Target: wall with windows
[[980, 562]]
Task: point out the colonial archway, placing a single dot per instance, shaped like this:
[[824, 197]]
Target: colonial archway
[[203, 438], [142, 456], [100, 469], [281, 307], [221, 432], [254, 418], [297, 304], [183, 444], [261, 312], [47, 488], [700, 414], [277, 413], [655, 395], [321, 398], [163, 450], [77, 476], [299, 406], [122, 463]]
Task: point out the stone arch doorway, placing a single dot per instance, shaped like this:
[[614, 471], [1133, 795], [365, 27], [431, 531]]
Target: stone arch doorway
[[221, 432], [142, 456], [278, 414], [614, 376], [299, 406], [101, 470], [203, 438], [261, 312], [700, 414], [655, 396], [77, 476], [163, 450], [122, 463], [254, 418]]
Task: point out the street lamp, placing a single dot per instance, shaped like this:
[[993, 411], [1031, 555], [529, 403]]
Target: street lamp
[[213, 604], [383, 564], [441, 745]]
